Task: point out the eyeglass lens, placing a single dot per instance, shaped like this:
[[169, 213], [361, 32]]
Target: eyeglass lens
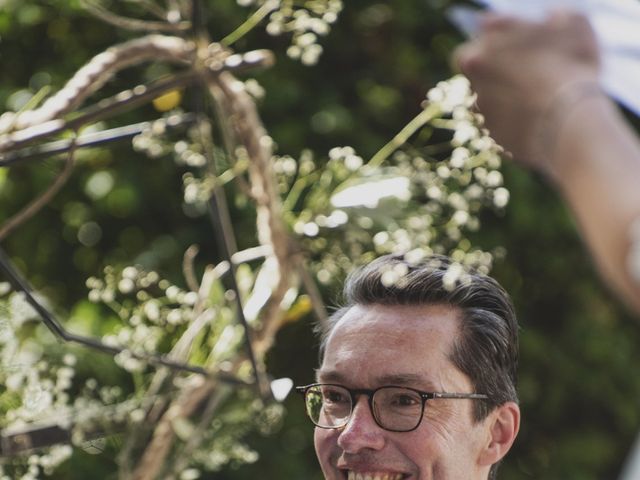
[[394, 408]]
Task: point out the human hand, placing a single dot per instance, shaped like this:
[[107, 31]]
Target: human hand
[[521, 69]]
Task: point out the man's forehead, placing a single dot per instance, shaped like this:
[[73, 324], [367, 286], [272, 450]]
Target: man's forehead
[[402, 345], [421, 318]]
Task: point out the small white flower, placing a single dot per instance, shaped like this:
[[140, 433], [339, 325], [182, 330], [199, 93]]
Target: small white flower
[[190, 474], [69, 359], [130, 272], [353, 162], [459, 157], [311, 229], [452, 276], [174, 317], [494, 179], [461, 217], [126, 285], [190, 298], [107, 296], [311, 54], [501, 197], [294, 52], [306, 40]]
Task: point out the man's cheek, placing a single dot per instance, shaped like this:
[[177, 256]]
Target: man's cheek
[[325, 442]]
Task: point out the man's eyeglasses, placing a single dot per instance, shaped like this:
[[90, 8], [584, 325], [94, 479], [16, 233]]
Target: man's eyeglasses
[[397, 409]]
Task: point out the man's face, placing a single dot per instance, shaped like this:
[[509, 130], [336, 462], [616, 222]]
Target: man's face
[[373, 346]]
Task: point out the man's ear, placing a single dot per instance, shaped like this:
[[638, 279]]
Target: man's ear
[[503, 425]]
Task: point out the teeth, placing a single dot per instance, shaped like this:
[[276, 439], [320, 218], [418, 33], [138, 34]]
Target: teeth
[[374, 476]]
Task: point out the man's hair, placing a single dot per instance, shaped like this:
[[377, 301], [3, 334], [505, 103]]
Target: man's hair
[[486, 349]]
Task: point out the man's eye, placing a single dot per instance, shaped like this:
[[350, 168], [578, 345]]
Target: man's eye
[[334, 396], [405, 401]]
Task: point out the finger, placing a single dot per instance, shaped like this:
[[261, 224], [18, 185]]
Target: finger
[[493, 20], [496, 22], [466, 58], [571, 22], [563, 17]]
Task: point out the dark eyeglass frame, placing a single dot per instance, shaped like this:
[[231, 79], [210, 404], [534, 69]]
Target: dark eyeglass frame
[[354, 392]]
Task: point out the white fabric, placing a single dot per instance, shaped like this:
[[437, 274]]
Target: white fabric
[[631, 469]]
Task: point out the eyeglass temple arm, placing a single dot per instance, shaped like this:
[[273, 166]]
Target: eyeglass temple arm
[[472, 396]]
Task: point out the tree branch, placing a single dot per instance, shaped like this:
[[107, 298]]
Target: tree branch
[[98, 71], [126, 23], [36, 205], [131, 98]]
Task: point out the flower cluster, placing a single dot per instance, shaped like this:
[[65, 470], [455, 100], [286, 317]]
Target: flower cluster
[[37, 379], [151, 309], [305, 20], [426, 199], [154, 142], [46, 383], [188, 152], [37, 464]]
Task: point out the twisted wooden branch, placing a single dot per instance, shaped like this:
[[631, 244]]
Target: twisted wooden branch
[[240, 115], [214, 61], [271, 229], [99, 71], [246, 127]]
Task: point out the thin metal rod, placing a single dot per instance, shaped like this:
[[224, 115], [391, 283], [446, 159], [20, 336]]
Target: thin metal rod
[[218, 209], [119, 103], [14, 443], [226, 241], [93, 139], [198, 20], [59, 331]]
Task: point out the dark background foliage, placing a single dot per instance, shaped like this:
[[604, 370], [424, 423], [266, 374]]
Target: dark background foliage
[[578, 382]]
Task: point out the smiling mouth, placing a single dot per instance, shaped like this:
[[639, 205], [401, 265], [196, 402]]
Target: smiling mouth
[[351, 475]]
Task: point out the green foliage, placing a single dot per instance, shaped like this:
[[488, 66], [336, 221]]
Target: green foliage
[[143, 206]]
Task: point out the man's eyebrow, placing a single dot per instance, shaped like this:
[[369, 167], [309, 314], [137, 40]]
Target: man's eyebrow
[[400, 379], [406, 380], [329, 376]]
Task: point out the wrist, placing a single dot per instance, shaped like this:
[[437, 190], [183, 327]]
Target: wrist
[[572, 108]]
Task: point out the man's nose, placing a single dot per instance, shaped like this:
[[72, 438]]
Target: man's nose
[[362, 431]]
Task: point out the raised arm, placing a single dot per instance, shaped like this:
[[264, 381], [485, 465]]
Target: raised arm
[[538, 87]]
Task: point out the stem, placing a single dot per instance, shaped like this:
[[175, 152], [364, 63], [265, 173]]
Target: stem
[[188, 269], [250, 23], [425, 116], [152, 8], [295, 192]]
